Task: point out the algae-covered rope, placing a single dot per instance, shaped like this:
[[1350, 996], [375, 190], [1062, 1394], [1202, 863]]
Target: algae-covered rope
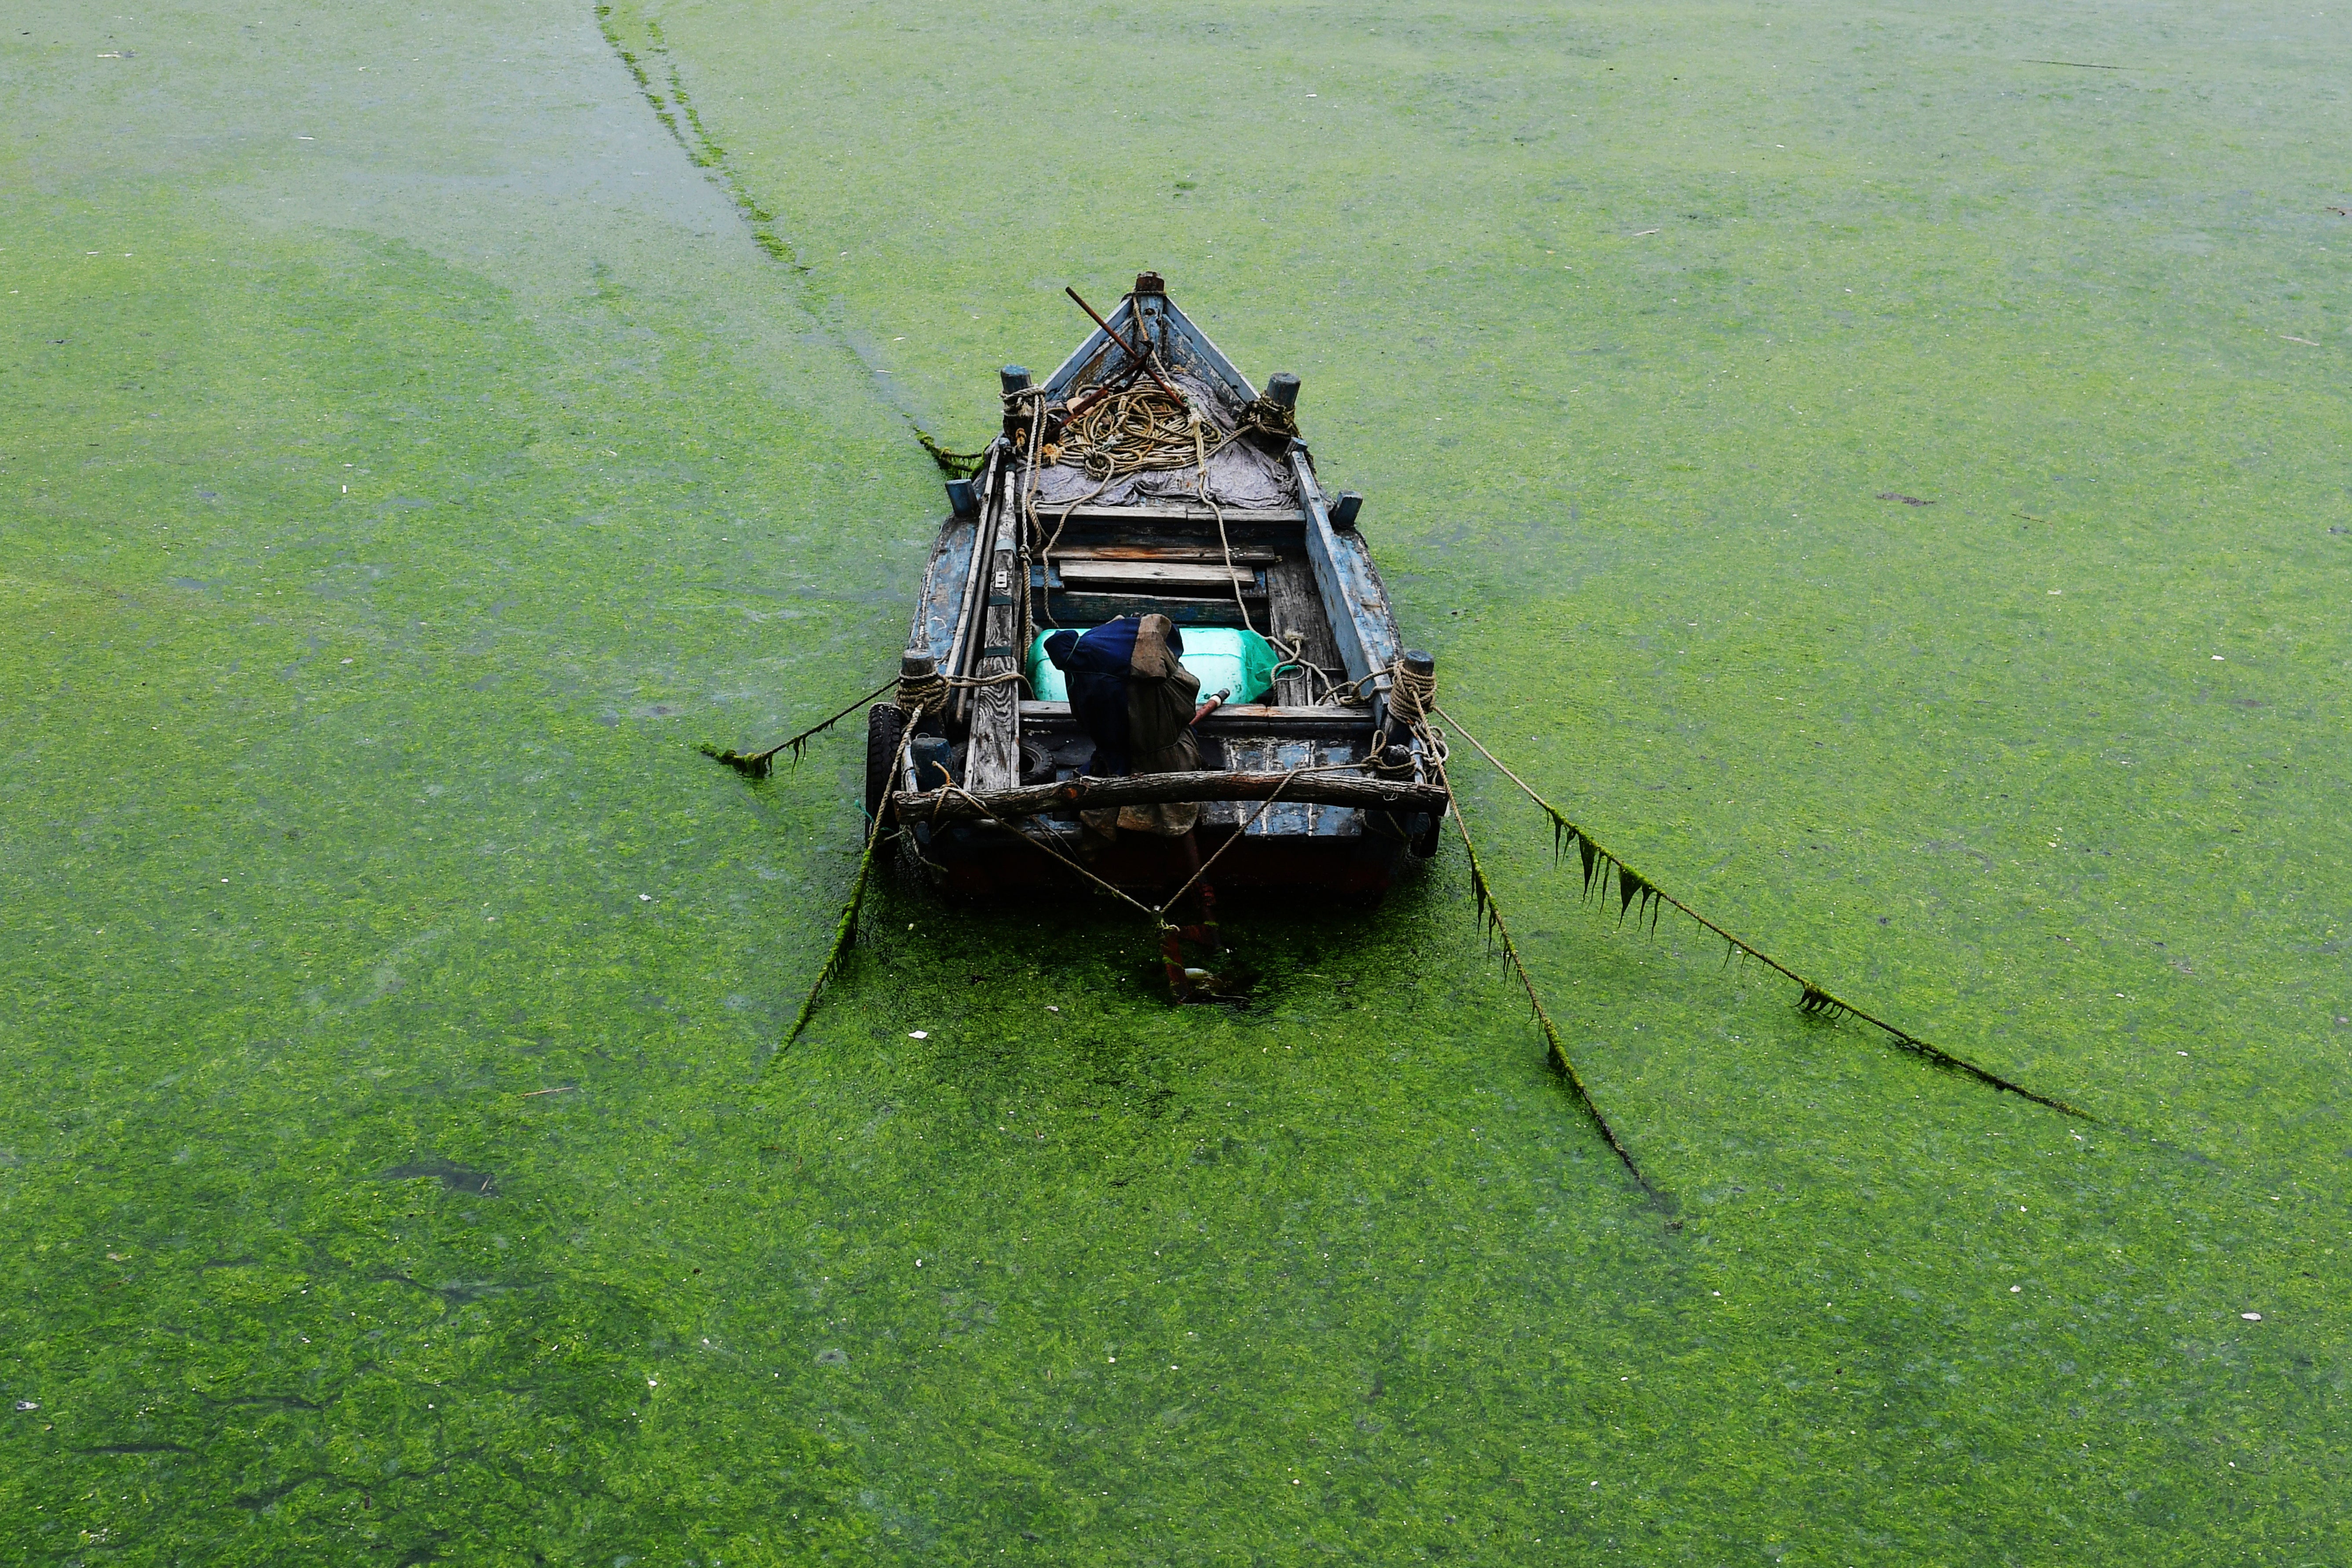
[[758, 765], [1815, 1000], [846, 931], [927, 693], [1490, 915]]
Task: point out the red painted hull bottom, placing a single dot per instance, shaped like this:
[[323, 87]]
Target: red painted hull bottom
[[1287, 869]]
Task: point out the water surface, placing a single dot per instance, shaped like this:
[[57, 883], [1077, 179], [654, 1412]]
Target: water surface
[[1886, 483]]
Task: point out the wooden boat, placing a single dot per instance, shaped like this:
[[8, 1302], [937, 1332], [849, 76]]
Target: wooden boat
[[1200, 504]]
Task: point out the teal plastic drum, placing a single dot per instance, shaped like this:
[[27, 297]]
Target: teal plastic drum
[[1225, 658]]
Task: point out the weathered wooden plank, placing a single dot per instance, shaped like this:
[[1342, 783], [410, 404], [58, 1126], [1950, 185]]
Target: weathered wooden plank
[[1079, 611], [1242, 755], [1099, 551], [1337, 821], [939, 607], [1080, 571], [1293, 812], [1292, 606], [1239, 722], [1353, 597], [992, 754], [958, 660], [1174, 511], [1028, 800]]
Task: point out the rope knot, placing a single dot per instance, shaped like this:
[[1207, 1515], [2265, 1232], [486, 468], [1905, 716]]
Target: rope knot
[[1268, 423], [921, 687], [1413, 693]]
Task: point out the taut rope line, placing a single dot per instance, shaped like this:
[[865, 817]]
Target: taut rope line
[[1815, 1000]]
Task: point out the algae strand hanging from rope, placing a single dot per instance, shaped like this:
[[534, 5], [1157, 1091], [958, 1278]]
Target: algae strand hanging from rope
[[1489, 915], [1814, 1001]]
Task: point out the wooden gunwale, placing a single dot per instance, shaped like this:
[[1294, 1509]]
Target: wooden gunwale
[[984, 528]]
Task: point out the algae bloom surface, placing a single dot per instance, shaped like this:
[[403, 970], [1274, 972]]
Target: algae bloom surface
[[1883, 470]]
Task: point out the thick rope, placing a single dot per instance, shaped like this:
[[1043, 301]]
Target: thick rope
[[846, 931], [757, 765], [1135, 432], [1201, 457], [1814, 1001], [1491, 916], [1412, 695], [922, 694], [1263, 416]]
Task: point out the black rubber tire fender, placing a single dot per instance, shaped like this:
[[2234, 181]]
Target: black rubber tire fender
[[885, 724], [1425, 827]]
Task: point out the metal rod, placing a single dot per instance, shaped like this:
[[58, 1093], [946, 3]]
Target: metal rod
[[1141, 357]]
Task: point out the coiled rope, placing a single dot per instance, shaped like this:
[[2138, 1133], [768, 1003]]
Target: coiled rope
[[1136, 431], [1412, 695], [921, 694]]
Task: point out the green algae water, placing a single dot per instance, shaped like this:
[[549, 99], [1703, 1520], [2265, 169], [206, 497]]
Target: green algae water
[[1884, 469]]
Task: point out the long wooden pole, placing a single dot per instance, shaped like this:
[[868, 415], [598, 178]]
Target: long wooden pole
[[1142, 789]]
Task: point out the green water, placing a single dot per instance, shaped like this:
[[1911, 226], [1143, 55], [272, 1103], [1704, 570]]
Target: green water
[[410, 448]]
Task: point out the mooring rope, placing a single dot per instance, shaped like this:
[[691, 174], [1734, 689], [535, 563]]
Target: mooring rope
[[1139, 431], [1412, 694], [1814, 1001], [1490, 916], [921, 694], [1262, 415], [758, 765], [846, 931]]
